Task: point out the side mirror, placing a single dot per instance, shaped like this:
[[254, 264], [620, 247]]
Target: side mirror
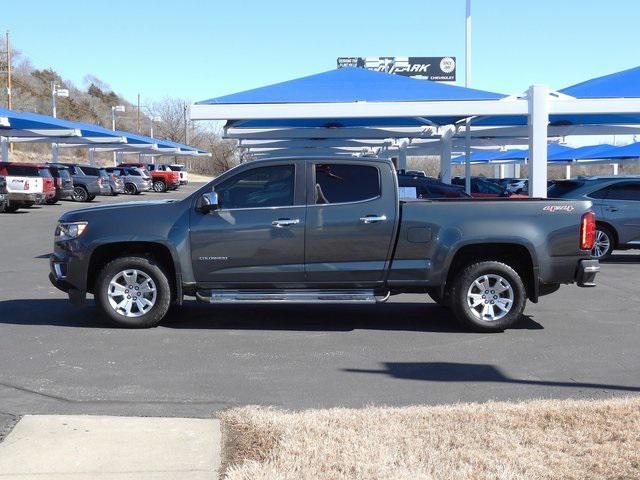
[[208, 202]]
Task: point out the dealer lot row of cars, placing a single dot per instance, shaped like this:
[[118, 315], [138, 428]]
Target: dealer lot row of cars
[[23, 185]]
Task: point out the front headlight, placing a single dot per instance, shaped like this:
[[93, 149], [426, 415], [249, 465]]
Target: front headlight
[[69, 230]]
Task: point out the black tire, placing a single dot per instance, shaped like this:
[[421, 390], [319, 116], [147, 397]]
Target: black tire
[[52, 201], [149, 267], [113, 192], [130, 189], [10, 208], [28, 204], [603, 233], [442, 300], [460, 291], [80, 194], [91, 198], [159, 186]]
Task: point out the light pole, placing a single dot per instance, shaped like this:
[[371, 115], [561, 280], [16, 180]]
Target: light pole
[[153, 118], [56, 92], [114, 109], [467, 84]]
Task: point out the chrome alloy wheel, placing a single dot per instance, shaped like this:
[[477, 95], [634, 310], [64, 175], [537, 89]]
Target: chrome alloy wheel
[[602, 244], [132, 293], [490, 297]]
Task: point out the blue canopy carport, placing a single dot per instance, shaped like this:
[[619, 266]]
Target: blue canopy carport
[[32, 127], [359, 97], [343, 106]]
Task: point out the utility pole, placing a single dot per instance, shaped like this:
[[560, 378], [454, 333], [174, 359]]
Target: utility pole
[[186, 124], [9, 93], [138, 118]]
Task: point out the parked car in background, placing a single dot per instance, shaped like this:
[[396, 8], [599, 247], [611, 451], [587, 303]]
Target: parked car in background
[[182, 170], [115, 183], [25, 186], [136, 180], [420, 186], [513, 185], [87, 182], [484, 188], [3, 194], [63, 181], [163, 179], [616, 203]]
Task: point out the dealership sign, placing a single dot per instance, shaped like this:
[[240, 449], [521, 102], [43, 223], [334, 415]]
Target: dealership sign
[[439, 69]]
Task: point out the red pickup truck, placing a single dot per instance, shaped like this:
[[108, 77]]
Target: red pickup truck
[[162, 180]]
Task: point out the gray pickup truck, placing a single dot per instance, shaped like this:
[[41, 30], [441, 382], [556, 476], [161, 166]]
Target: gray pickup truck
[[322, 230]]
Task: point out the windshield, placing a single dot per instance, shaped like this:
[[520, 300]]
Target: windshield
[[22, 171], [562, 188], [177, 168]]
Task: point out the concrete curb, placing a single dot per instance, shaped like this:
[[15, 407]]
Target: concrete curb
[[88, 447]]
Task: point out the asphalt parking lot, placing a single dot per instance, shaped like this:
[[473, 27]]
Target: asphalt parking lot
[[59, 359]]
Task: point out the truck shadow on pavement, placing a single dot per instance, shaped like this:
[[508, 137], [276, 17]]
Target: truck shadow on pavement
[[399, 316], [470, 372], [623, 259]]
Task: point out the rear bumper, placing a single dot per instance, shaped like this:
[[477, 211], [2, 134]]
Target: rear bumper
[[586, 274], [15, 197]]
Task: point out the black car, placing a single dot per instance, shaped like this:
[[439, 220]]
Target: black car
[[427, 187], [63, 182]]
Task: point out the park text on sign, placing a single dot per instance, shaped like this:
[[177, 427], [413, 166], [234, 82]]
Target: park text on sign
[[439, 69]]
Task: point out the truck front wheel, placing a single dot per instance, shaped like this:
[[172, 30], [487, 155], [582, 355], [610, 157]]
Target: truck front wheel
[[488, 296], [133, 292], [159, 186]]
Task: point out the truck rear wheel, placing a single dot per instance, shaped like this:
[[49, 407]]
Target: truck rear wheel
[[159, 186], [488, 296], [80, 194], [133, 292]]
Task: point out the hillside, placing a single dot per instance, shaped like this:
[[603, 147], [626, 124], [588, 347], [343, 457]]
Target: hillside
[[92, 103]]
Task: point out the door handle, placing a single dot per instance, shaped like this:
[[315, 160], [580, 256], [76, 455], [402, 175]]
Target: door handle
[[285, 222], [373, 219]]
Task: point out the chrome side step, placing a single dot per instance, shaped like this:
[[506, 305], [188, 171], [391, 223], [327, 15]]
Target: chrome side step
[[287, 296]]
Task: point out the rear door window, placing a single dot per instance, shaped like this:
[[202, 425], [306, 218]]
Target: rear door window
[[342, 183], [22, 171], [626, 191]]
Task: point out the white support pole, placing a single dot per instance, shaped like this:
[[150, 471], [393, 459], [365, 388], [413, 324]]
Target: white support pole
[[615, 168], [92, 157], [502, 172], [497, 171], [5, 149], [54, 152], [567, 172], [402, 158], [538, 97], [467, 157], [445, 154], [516, 170]]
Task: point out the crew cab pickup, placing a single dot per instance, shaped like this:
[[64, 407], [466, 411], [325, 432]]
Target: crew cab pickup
[[320, 230], [25, 186]]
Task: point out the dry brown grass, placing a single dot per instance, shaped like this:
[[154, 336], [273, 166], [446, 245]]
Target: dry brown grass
[[550, 439]]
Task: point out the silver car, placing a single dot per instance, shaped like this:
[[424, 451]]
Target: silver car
[[616, 203], [136, 180]]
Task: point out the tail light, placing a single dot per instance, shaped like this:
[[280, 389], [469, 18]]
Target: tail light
[[99, 181], [59, 181], [26, 185], [587, 231]]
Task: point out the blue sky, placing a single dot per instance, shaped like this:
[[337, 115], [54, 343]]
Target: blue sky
[[201, 49]]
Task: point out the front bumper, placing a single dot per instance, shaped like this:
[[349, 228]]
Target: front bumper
[[62, 268], [586, 274]]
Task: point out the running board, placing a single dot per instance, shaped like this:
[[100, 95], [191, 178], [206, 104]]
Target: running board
[[288, 296]]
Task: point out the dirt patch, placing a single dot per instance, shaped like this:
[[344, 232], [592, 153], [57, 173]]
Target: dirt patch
[[547, 439]]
